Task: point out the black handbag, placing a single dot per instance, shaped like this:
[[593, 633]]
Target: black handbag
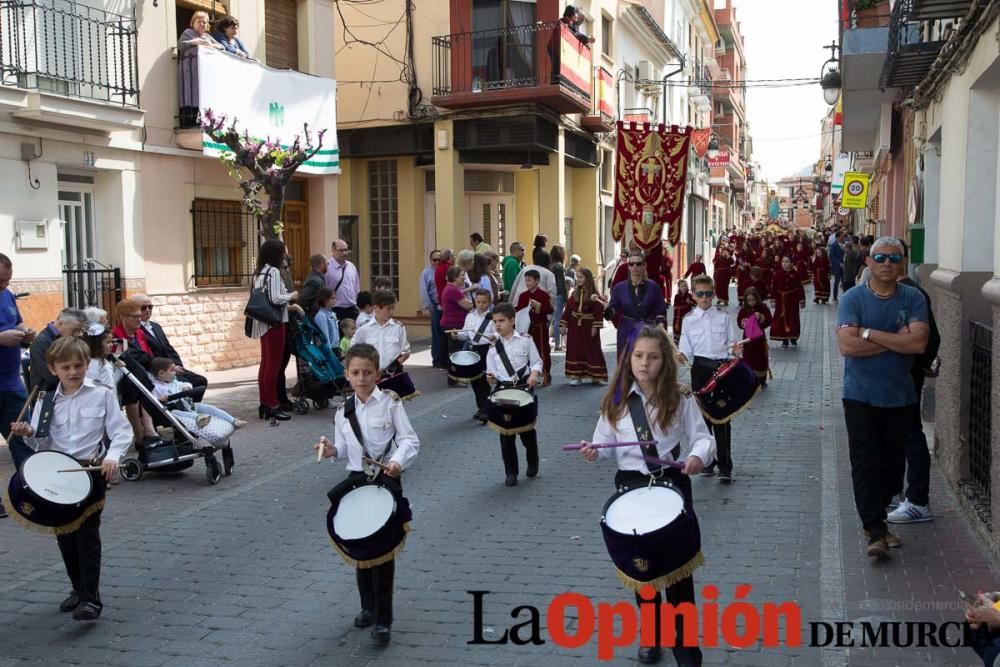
[[259, 307]]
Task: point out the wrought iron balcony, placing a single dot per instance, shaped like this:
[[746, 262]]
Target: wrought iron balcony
[[915, 41], [69, 49], [543, 63]]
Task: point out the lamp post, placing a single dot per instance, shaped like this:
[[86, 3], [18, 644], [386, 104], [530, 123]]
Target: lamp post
[[829, 76], [713, 147]]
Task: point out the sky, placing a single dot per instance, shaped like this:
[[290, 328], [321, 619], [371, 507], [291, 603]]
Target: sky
[[784, 39]]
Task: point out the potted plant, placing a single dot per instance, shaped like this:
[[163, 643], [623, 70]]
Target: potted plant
[[871, 13]]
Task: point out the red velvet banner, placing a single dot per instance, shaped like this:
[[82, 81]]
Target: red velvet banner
[[649, 185]]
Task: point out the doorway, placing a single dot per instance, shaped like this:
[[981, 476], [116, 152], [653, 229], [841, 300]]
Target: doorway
[[492, 216], [295, 218]]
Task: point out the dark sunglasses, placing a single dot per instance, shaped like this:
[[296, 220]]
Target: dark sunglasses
[[701, 294], [637, 263], [149, 307], [435, 260], [880, 258]]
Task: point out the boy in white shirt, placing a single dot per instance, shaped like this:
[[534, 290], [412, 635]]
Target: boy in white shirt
[[514, 362], [480, 332], [385, 334], [365, 309]]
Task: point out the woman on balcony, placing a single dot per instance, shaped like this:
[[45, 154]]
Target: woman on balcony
[[225, 34], [187, 62]]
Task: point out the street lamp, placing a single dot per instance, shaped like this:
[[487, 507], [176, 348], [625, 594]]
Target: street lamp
[[830, 80], [713, 147]]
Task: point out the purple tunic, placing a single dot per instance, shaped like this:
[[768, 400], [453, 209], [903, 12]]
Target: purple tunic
[[637, 311]]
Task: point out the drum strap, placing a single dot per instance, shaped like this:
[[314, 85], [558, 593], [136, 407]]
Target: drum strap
[[482, 327], [48, 399], [350, 411], [516, 377], [640, 421]]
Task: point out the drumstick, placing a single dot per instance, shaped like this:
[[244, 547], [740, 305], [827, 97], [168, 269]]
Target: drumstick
[[24, 409], [85, 469], [604, 445], [319, 452], [383, 466], [670, 464]]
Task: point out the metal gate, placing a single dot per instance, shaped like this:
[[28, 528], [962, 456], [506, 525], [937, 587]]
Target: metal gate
[[980, 418], [91, 283]]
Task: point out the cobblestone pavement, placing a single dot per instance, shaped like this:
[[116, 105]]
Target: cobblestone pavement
[[244, 572]]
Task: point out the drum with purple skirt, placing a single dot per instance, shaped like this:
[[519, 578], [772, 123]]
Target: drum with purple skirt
[[401, 384], [728, 392]]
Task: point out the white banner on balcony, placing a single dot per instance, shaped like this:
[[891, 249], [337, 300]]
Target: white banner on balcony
[[270, 103]]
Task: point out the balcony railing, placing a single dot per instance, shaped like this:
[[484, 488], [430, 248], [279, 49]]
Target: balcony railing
[[505, 64], [69, 49], [914, 45]]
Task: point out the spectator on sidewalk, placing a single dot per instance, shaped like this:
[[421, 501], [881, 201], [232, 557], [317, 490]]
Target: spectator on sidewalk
[[478, 244], [315, 281], [430, 304], [159, 344], [915, 507], [541, 240], [512, 265], [836, 256], [13, 334], [558, 256], [881, 325], [70, 323], [343, 278], [852, 258], [441, 271], [455, 304]]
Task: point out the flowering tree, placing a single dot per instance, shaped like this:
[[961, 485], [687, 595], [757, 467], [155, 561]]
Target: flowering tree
[[269, 167]]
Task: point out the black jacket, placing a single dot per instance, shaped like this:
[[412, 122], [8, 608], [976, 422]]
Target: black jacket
[[926, 358], [307, 295], [160, 344], [39, 370]]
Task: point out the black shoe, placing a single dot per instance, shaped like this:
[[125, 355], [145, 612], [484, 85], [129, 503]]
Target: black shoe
[[650, 655], [87, 611], [784, 343], [382, 634], [725, 477], [532, 471], [795, 342], [280, 416], [511, 480], [364, 619], [480, 416], [452, 383], [285, 406], [70, 603]]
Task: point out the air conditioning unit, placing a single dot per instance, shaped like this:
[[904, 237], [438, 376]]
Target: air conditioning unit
[[646, 72]]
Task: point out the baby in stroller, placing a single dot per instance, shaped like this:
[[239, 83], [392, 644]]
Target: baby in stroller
[[166, 384]]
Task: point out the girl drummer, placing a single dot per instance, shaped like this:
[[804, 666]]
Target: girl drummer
[[389, 438], [647, 377]]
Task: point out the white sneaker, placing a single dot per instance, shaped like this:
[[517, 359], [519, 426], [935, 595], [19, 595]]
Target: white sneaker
[[599, 382], [574, 382], [907, 512], [238, 423], [202, 420]]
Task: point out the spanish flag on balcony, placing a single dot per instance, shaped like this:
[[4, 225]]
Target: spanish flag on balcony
[[838, 111]]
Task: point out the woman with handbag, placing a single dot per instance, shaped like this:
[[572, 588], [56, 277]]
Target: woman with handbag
[[267, 313]]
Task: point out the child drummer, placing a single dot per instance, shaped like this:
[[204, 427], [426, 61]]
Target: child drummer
[[710, 337], [645, 385], [513, 362], [389, 438], [388, 336], [480, 332], [79, 415]]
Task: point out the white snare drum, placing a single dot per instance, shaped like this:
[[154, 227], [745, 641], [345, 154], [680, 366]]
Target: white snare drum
[[511, 411], [46, 500], [363, 511], [465, 366], [644, 510]]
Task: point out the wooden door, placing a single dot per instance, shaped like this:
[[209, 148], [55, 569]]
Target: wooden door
[[296, 236]]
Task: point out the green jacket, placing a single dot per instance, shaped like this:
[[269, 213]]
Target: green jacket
[[511, 267]]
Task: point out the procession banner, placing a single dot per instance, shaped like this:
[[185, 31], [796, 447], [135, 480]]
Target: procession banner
[[269, 103], [649, 182], [700, 139]]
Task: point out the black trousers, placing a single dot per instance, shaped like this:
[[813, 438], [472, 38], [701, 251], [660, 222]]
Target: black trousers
[[918, 458], [81, 554], [375, 586], [702, 369], [480, 387], [508, 450], [683, 590], [875, 439]]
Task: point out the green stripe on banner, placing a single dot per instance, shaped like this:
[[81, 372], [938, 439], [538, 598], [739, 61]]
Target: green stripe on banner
[[223, 147]]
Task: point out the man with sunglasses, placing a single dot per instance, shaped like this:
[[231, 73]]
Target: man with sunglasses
[[343, 277], [430, 303], [710, 337], [637, 301], [881, 324], [160, 345]]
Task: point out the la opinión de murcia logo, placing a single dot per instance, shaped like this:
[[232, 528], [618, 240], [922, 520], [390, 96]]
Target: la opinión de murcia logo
[[738, 624]]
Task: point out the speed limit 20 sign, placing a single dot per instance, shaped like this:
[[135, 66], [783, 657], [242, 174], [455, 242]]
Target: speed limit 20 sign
[[855, 193]]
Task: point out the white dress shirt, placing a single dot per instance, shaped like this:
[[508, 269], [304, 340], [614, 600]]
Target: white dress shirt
[[708, 333], [363, 319], [81, 420], [473, 320], [104, 373], [522, 353], [688, 429], [389, 339], [382, 418]]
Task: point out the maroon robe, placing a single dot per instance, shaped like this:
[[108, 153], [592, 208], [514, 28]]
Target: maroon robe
[[722, 276], [821, 278], [743, 281], [667, 276], [788, 295], [583, 322], [683, 303], [539, 329], [695, 269], [755, 352]]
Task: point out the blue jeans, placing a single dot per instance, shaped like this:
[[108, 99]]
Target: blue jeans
[[838, 276], [559, 305], [204, 409], [439, 346], [11, 403]]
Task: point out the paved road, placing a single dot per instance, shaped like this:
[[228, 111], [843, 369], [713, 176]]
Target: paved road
[[243, 571]]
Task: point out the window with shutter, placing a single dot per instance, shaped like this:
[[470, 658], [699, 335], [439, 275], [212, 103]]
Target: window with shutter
[[281, 33], [224, 248]]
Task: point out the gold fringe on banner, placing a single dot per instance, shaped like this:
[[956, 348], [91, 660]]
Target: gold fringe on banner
[[374, 562], [66, 529], [669, 579], [511, 431]]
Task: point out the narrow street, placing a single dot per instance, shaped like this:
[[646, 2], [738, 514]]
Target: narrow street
[[244, 572]]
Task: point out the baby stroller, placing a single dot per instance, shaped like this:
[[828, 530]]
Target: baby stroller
[[179, 453], [319, 371]]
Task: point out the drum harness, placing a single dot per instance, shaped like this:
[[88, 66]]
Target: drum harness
[[48, 399], [520, 374], [479, 332], [640, 420], [371, 471]]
